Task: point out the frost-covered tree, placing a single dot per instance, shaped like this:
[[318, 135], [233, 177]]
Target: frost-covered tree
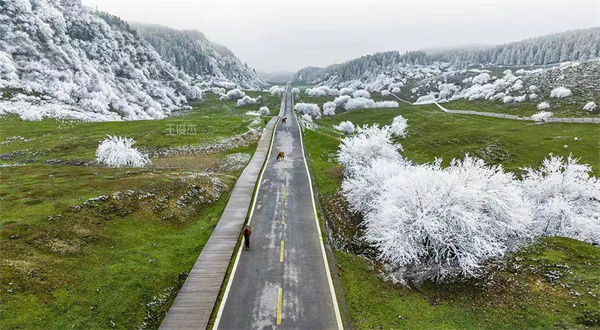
[[264, 111], [445, 218], [117, 151], [398, 127], [235, 94], [361, 93], [542, 116], [565, 199], [346, 127], [310, 109], [276, 90], [329, 109], [590, 106], [296, 90], [246, 100], [560, 92], [543, 106]]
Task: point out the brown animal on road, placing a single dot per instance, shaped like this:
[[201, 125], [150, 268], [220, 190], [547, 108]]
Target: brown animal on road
[[280, 155], [284, 119]]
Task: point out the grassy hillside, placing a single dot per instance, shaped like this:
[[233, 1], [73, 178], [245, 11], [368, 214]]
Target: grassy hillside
[[555, 283], [97, 247]]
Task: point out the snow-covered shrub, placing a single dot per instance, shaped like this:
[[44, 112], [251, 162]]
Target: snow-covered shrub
[[345, 126], [316, 92], [481, 79], [329, 109], [295, 90], [565, 198], [517, 86], [276, 90], [533, 96], [118, 151], [361, 93], [590, 106], [542, 116], [356, 152], [560, 92], [426, 99], [246, 100], [359, 103], [307, 118], [386, 104], [543, 106], [398, 127], [264, 111], [235, 94], [310, 109], [507, 99], [444, 219], [346, 91], [30, 115], [519, 99], [341, 100], [396, 90]]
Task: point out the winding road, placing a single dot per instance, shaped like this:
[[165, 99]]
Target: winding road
[[283, 281]]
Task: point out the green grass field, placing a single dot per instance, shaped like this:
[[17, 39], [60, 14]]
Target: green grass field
[[119, 261], [562, 109], [536, 300]]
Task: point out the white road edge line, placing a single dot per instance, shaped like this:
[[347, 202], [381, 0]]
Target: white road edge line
[[239, 252], [329, 280]]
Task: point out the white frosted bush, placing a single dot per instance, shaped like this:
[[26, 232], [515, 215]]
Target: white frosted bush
[[590, 106], [426, 99], [278, 91], [361, 93], [398, 127], [542, 116], [445, 219], [329, 109], [359, 103], [543, 106], [264, 111], [310, 109], [345, 127], [341, 100], [481, 79], [346, 91], [316, 92], [246, 100], [30, 115], [295, 90], [560, 92], [118, 151], [307, 118], [235, 94], [565, 198]]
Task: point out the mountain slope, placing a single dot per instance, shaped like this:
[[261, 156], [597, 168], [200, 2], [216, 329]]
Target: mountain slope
[[192, 52], [82, 63]]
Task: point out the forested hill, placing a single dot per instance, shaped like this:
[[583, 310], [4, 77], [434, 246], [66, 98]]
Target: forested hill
[[575, 45], [193, 53], [355, 68]]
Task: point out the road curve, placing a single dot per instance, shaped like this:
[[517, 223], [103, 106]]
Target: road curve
[[283, 281]]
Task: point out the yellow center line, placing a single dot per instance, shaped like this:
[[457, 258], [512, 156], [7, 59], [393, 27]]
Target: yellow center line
[[281, 253], [284, 192], [279, 302], [283, 216]]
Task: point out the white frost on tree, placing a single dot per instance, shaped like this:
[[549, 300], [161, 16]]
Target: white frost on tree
[[560, 92], [590, 106], [295, 90], [118, 151], [398, 127], [264, 111], [542, 116], [543, 106], [329, 109], [246, 100], [361, 93], [565, 198], [235, 94], [345, 127], [310, 109]]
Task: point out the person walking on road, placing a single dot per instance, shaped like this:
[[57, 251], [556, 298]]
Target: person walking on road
[[247, 231]]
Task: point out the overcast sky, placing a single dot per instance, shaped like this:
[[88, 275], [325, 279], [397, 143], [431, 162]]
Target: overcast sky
[[288, 35]]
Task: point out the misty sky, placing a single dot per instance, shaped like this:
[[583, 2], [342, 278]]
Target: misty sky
[[286, 36]]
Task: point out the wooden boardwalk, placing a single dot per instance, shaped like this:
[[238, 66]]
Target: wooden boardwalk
[[196, 299]]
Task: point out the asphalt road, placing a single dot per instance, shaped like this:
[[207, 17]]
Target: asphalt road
[[282, 281]]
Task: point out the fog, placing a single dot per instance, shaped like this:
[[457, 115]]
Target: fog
[[286, 36]]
